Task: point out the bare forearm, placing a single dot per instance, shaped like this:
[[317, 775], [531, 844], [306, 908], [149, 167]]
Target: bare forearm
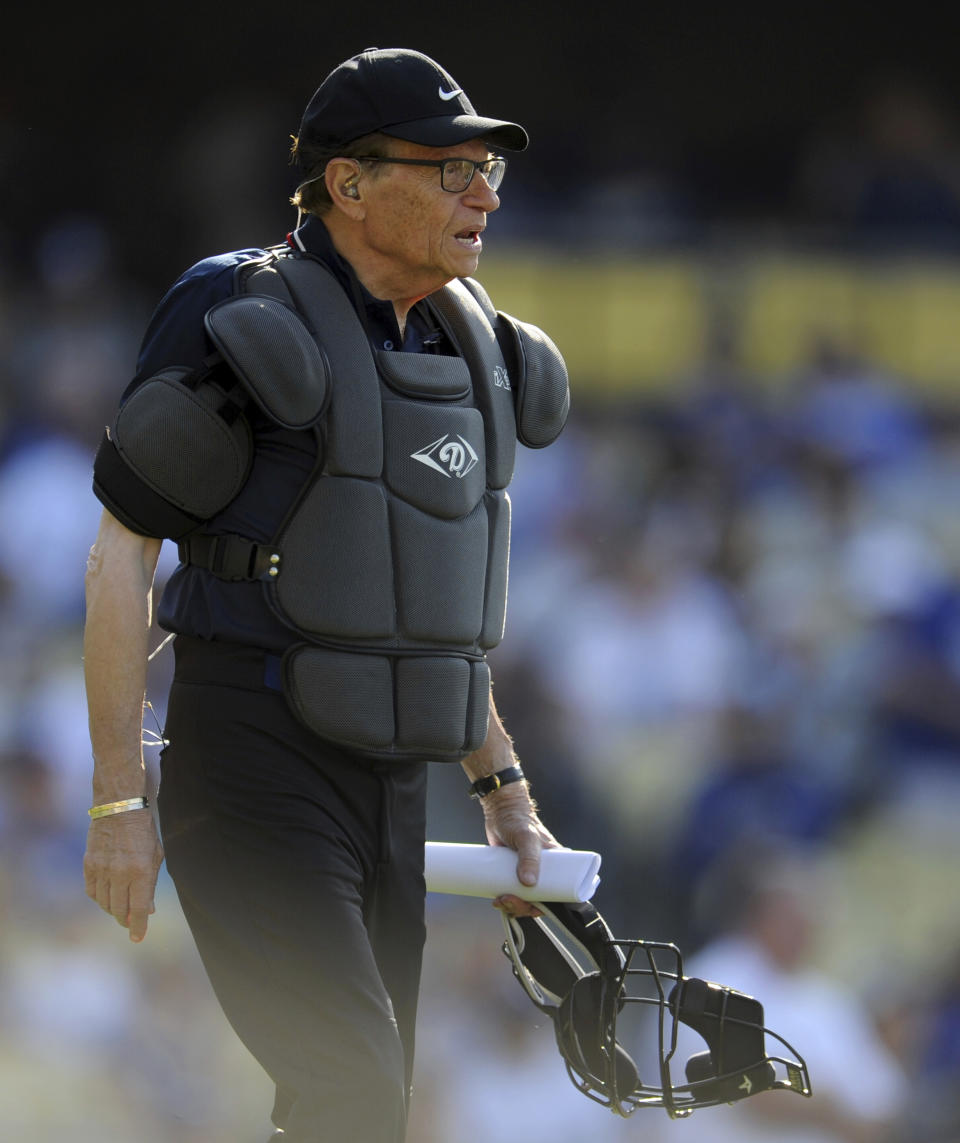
[[123, 851], [509, 813], [118, 590], [495, 754]]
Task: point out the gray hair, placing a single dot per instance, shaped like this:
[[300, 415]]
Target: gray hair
[[312, 196]]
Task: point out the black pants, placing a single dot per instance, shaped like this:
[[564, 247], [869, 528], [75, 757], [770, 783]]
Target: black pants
[[300, 872]]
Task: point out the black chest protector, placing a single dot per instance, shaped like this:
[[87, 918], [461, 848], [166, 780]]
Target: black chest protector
[[391, 566]]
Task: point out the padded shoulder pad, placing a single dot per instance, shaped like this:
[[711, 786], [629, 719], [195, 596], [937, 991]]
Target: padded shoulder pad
[[135, 504], [277, 360], [186, 441], [543, 389]]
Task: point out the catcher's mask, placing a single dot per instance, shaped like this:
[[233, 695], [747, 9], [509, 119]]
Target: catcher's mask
[[602, 994]]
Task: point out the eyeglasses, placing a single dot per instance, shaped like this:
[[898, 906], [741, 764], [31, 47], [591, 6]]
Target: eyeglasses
[[455, 174]]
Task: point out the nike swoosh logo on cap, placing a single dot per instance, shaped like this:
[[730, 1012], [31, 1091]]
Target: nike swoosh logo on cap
[[448, 95]]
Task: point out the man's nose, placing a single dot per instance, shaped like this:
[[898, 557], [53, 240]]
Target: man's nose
[[482, 193]]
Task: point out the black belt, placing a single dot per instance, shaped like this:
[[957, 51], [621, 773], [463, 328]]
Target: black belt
[[217, 663]]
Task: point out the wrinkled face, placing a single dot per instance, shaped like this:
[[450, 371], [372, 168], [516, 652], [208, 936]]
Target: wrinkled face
[[422, 235]]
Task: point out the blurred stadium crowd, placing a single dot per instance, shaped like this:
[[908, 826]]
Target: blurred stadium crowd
[[733, 648]]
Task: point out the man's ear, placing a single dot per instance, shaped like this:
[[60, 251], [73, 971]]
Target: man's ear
[[343, 185]]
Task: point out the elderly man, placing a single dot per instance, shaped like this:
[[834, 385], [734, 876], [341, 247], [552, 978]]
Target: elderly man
[[327, 428]]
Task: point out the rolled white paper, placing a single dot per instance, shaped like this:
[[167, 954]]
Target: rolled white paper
[[490, 870]]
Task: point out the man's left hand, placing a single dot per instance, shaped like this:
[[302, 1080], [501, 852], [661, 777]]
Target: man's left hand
[[510, 818]]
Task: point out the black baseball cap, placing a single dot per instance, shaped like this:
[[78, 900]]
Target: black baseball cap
[[402, 93]]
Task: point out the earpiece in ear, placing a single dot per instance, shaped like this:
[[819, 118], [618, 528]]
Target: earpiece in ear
[[350, 190]]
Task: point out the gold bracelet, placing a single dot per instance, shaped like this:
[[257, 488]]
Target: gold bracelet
[[109, 808]]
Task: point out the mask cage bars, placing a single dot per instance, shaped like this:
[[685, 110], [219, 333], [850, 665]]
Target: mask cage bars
[[652, 977], [636, 976]]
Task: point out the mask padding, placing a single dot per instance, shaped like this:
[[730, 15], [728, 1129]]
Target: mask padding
[[731, 1023], [546, 962], [579, 1024]]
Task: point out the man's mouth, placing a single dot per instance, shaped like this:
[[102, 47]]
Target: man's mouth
[[469, 238]]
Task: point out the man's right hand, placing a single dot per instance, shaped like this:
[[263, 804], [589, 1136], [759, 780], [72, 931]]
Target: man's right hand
[[120, 867]]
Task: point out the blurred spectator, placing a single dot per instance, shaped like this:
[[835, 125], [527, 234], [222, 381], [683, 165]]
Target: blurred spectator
[[653, 636], [937, 1061], [754, 791], [47, 509], [916, 711], [844, 414], [725, 424], [763, 905], [71, 345]]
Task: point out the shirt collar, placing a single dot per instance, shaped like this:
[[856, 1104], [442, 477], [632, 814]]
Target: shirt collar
[[378, 316], [313, 238]]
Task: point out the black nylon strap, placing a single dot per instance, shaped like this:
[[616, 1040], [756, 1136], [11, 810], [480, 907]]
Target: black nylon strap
[[229, 557], [483, 786]]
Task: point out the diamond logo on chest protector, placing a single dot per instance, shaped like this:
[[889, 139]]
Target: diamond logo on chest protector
[[448, 455]]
